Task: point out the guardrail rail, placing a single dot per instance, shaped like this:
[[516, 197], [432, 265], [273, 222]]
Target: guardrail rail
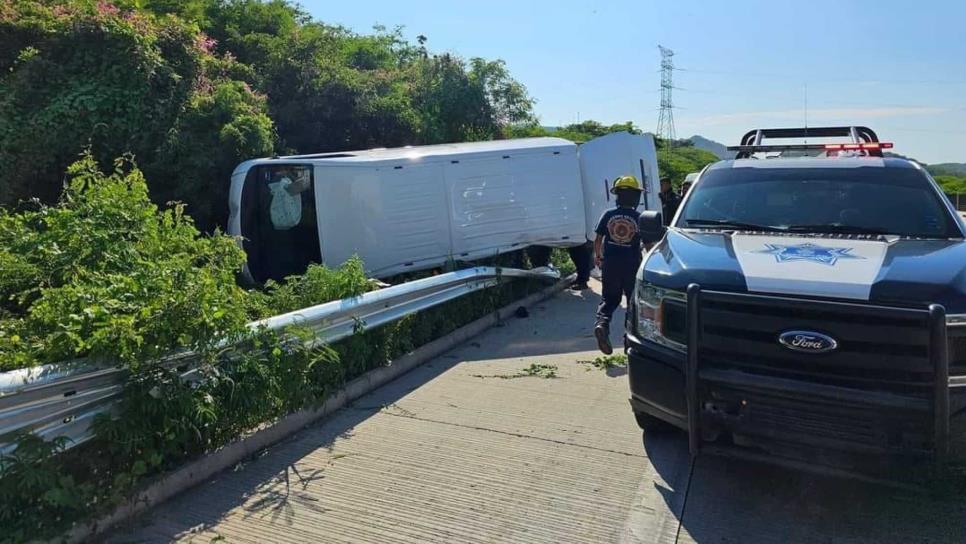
[[61, 400]]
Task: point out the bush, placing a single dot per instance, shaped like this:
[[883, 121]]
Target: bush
[[107, 275], [317, 285]]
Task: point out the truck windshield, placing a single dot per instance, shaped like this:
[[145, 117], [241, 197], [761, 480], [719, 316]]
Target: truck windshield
[[863, 200]]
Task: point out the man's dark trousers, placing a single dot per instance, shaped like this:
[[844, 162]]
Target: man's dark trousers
[[581, 256], [618, 281]]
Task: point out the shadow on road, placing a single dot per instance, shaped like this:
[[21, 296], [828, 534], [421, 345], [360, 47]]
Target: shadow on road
[[571, 331], [274, 475], [732, 501]]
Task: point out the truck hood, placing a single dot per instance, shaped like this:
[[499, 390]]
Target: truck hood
[[881, 270]]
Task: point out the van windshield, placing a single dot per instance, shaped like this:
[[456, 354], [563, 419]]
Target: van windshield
[[863, 200]]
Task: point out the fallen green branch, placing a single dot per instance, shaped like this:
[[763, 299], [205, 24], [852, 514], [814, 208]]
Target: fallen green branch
[[535, 370], [606, 362]]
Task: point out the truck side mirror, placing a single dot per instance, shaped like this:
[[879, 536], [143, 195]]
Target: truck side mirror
[[651, 226]]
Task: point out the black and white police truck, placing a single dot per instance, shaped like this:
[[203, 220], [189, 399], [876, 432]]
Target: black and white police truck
[[807, 302]]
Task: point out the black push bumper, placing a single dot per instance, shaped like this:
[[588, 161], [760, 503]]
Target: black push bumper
[[783, 403]]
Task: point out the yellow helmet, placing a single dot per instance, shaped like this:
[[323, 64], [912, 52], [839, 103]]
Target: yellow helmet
[[625, 182]]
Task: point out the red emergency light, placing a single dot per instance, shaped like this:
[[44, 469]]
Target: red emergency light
[[859, 147]]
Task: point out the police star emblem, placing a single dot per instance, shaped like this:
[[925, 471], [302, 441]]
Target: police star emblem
[[809, 252]]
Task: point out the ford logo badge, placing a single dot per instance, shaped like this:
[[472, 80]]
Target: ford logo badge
[[807, 341]]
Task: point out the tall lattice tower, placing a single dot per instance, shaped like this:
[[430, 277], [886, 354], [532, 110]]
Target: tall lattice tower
[[665, 121]]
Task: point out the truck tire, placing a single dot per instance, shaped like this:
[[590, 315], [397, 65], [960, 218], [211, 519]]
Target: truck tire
[[651, 424]]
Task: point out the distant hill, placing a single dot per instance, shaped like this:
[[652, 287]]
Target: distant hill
[[720, 150], [944, 169], [901, 156], [948, 169]]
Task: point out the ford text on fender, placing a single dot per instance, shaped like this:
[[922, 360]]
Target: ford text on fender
[[809, 305]]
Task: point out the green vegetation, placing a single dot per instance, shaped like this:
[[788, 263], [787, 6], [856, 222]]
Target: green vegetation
[[535, 370], [107, 269], [954, 185], [105, 274], [579, 132], [607, 362], [560, 259], [948, 169], [951, 176], [540, 370], [193, 88], [681, 159], [676, 163]]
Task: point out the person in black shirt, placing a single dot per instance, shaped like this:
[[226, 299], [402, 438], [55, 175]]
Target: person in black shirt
[[617, 251], [669, 201]]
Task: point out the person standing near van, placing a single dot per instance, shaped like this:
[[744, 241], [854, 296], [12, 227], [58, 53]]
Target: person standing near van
[[617, 251], [580, 255], [669, 201]]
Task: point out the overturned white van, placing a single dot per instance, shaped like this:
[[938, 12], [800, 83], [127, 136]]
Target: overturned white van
[[415, 208]]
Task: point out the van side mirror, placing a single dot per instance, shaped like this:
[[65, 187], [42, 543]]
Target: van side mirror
[[651, 226]]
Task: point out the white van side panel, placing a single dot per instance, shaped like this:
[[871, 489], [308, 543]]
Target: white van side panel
[[501, 204], [610, 156], [395, 219]]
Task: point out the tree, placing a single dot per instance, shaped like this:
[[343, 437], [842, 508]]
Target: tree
[[84, 74], [577, 132], [509, 101], [194, 87], [681, 159], [952, 184]]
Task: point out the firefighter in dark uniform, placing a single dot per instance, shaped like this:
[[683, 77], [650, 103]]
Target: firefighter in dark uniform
[[617, 251]]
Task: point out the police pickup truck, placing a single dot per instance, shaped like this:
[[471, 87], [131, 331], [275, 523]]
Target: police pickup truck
[[805, 305]]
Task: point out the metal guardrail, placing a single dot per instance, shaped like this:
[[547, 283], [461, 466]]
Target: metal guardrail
[[61, 400]]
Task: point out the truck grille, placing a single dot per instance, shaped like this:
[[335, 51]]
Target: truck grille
[[676, 328], [880, 348], [882, 388], [957, 351], [853, 426]]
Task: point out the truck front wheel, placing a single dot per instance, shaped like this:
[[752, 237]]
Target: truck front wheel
[[651, 424]]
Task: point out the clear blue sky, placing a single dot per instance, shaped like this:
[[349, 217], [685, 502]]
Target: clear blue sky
[[898, 67]]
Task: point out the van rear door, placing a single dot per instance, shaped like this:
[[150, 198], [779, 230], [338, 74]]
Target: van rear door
[[610, 156]]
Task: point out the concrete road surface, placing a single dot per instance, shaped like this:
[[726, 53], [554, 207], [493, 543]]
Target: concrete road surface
[[462, 450]]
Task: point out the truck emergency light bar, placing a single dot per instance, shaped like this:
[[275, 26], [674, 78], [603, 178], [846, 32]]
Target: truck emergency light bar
[[862, 139], [874, 148], [866, 146]]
